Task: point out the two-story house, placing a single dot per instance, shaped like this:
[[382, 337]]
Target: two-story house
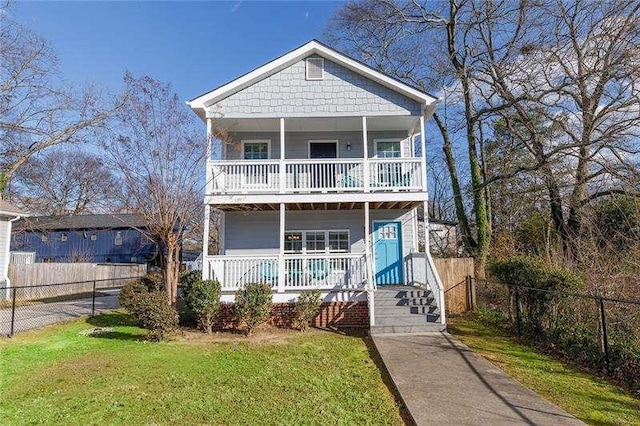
[[98, 238], [318, 181]]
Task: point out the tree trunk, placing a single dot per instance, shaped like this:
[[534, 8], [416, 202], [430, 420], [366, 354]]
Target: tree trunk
[[465, 232]]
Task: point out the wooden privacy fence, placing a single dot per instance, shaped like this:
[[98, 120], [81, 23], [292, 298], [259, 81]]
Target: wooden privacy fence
[[82, 274], [459, 289]]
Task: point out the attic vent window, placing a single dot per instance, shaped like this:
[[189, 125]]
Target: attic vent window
[[315, 69]]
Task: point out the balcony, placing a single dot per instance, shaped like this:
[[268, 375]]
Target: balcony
[[304, 176]]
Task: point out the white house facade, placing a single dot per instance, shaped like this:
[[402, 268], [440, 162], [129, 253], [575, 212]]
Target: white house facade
[[318, 179], [8, 215]]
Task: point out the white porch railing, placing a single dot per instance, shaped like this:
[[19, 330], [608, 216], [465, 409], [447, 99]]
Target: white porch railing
[[323, 271], [317, 175]]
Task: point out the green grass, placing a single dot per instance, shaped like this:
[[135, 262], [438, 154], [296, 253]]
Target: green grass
[[587, 397], [59, 375]]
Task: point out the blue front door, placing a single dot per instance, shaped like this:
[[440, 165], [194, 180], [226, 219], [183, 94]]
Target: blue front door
[[387, 246]]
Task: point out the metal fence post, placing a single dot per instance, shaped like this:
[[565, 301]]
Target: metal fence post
[[13, 312], [605, 340], [518, 316], [93, 299]]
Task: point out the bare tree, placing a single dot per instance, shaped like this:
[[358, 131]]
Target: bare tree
[[158, 155], [428, 44], [66, 182], [37, 108]]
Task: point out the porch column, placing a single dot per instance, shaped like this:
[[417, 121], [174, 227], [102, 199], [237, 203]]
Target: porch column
[[368, 263], [207, 207], [423, 147], [208, 172], [205, 242], [365, 153], [282, 172], [281, 266]]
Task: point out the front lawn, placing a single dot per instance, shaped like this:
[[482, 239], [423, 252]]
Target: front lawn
[[61, 374], [587, 397]]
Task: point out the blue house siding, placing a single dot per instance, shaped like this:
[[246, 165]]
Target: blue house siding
[[79, 245]]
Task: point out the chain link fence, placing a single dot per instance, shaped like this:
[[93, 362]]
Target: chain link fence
[[599, 333], [29, 307]]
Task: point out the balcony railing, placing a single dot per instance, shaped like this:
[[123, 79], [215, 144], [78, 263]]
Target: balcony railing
[[323, 271], [326, 175]]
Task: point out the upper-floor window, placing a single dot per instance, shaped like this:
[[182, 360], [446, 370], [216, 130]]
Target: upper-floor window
[[118, 239], [94, 237], [388, 149], [255, 150], [315, 69], [63, 237]]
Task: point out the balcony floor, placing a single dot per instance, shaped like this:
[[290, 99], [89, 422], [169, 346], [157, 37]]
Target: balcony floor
[[380, 205]]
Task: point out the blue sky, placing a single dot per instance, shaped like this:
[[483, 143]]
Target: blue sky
[[193, 45]]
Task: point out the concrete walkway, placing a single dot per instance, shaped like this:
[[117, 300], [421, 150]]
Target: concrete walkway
[[442, 381], [37, 315]]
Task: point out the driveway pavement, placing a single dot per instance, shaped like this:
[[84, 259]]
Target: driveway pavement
[[38, 315], [442, 381]]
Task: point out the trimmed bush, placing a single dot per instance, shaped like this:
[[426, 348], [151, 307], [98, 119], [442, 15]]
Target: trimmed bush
[[253, 305], [203, 297], [146, 300], [307, 307]]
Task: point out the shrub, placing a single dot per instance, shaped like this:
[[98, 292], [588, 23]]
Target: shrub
[[540, 282], [253, 305], [203, 298], [307, 307], [187, 279], [156, 315], [146, 300]]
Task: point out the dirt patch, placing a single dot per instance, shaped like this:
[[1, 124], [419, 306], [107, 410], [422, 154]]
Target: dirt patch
[[267, 334]]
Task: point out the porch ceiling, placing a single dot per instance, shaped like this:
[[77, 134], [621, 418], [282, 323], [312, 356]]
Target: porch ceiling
[[317, 124], [380, 205]]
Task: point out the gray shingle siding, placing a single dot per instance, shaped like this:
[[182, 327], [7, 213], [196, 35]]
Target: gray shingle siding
[[342, 92]]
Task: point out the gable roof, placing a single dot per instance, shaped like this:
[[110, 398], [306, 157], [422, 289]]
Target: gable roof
[[80, 222], [10, 210], [314, 47]]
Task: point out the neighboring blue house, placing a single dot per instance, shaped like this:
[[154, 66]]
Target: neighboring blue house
[[100, 238]]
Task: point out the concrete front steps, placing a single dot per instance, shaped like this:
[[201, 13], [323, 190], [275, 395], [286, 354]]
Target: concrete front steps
[[405, 309]]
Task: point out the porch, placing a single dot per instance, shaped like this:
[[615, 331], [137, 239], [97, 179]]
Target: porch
[[291, 272]]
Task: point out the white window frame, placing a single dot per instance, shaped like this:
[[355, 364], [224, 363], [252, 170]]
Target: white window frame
[[267, 141], [326, 236], [306, 68], [244, 176], [335, 141], [375, 145], [118, 237]]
